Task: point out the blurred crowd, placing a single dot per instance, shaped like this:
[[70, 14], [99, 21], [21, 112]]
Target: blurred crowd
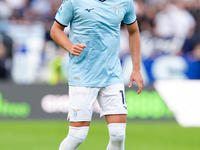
[[166, 27], [172, 19], [21, 20]]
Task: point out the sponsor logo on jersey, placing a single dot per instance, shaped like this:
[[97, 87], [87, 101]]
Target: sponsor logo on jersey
[[60, 10], [89, 9], [116, 9], [76, 78]]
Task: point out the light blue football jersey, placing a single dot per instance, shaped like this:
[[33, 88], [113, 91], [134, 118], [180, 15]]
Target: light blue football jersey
[[97, 24]]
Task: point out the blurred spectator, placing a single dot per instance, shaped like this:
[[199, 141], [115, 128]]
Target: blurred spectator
[[196, 51], [16, 4], [5, 56], [174, 21], [5, 10], [193, 40]]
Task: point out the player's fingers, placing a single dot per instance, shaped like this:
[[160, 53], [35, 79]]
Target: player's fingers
[[76, 52], [130, 83], [80, 46], [77, 48], [139, 90], [83, 45], [140, 86]]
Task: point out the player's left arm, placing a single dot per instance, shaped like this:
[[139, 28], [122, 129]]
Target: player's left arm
[[134, 44]]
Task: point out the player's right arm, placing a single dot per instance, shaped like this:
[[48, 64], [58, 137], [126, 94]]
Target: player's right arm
[[63, 17], [61, 39]]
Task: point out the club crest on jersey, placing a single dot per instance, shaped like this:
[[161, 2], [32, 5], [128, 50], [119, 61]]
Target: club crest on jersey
[[75, 112], [116, 9]]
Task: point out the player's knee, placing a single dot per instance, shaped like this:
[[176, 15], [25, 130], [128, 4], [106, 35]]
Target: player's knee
[[75, 138], [117, 133], [79, 133]]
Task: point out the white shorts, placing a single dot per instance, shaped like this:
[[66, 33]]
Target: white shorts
[[111, 100]]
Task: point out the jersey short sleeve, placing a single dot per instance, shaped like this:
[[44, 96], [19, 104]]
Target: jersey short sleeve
[[65, 13], [130, 16]]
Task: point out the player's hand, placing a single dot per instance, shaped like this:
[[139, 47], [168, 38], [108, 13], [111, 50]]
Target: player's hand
[[77, 48], [137, 77]]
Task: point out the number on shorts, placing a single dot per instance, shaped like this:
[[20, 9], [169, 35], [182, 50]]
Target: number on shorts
[[123, 99]]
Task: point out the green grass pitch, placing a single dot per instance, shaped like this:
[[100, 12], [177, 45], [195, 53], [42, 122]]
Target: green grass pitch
[[140, 135]]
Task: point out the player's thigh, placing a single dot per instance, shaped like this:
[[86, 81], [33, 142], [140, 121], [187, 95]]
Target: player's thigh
[[81, 101], [121, 118], [113, 102], [79, 124]]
